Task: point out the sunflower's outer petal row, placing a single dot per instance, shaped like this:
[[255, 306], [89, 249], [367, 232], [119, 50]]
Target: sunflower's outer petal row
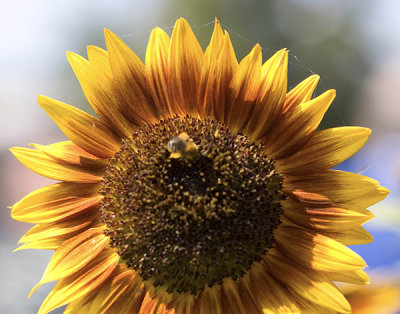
[[82, 129], [95, 78], [231, 300], [331, 186], [68, 152], [122, 292], [149, 305], [60, 231], [156, 64], [353, 236], [297, 126], [56, 202], [53, 168], [82, 282], [316, 251], [129, 77], [184, 62], [273, 299], [357, 277], [73, 255], [300, 94], [324, 150], [211, 54], [72, 154], [369, 199], [309, 285], [329, 218], [214, 95], [244, 89], [209, 301], [271, 95], [183, 303]]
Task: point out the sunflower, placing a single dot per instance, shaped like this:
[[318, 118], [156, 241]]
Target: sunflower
[[382, 298], [202, 187]]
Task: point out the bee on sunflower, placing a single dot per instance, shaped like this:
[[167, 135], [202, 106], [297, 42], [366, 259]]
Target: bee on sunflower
[[202, 187]]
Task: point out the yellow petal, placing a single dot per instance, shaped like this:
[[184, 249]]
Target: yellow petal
[[308, 284], [73, 255], [95, 78], [184, 59], [149, 304], [269, 294], [72, 154], [244, 88], [81, 128], [231, 300], [118, 294], [42, 244], [58, 232], [215, 95], [207, 70], [209, 301], [334, 186], [331, 219], [297, 126], [369, 199], [324, 150], [80, 283], [56, 202], [354, 236], [317, 251], [357, 277], [270, 98], [130, 79], [301, 93], [157, 71], [52, 168]]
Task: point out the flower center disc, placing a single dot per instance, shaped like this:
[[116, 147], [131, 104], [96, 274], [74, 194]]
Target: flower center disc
[[186, 203]]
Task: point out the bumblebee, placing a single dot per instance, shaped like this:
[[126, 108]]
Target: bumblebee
[[182, 146]]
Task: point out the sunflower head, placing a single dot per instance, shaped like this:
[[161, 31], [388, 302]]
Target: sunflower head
[[203, 186], [185, 222]]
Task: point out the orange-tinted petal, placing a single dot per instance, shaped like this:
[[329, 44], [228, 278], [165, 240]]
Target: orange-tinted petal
[[215, 95], [334, 219], [270, 98], [157, 71], [324, 150], [73, 255], [300, 94], [96, 81], [244, 89], [72, 154], [130, 78], [119, 293], [81, 128], [52, 168], [51, 235], [297, 126], [184, 59], [81, 283], [56, 202], [209, 301], [210, 61]]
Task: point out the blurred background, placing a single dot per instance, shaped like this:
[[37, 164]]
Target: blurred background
[[353, 45]]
